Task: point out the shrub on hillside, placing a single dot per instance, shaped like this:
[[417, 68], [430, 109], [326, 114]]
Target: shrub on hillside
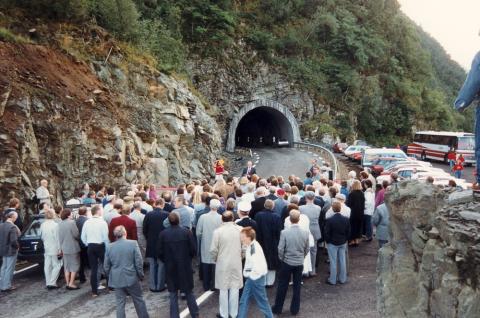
[[118, 16]]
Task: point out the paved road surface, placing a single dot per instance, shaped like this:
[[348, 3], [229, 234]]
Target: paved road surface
[[356, 299]]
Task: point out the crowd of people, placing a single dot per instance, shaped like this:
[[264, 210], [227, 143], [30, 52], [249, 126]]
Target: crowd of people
[[246, 234]]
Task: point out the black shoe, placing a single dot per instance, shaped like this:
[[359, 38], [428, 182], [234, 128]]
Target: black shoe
[[50, 287], [219, 316], [275, 311], [328, 282]]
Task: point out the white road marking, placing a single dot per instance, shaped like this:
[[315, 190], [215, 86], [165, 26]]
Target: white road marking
[[200, 300], [256, 162], [25, 269]]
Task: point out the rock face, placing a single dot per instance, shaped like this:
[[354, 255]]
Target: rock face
[[103, 123], [246, 78], [431, 268]]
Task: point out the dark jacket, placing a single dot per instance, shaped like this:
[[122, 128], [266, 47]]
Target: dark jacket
[[168, 207], [176, 248], [80, 222], [252, 172], [257, 206], [246, 222], [337, 229], [8, 239], [268, 235], [152, 227], [18, 222], [356, 202]]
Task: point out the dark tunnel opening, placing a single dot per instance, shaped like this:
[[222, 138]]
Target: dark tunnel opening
[[263, 127]]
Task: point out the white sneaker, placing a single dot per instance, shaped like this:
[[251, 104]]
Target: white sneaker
[[100, 287]]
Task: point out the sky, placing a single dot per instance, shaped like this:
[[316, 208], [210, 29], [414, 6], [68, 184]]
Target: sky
[[453, 23]]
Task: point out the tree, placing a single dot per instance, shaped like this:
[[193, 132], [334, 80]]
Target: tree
[[119, 16]]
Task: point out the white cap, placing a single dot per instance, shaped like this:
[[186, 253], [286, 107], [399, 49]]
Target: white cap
[[244, 206]]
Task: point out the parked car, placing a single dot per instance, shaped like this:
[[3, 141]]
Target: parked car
[[351, 150], [379, 165], [406, 173], [359, 142], [339, 147], [374, 153], [31, 244]]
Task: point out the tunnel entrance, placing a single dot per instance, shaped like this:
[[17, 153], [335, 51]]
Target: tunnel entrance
[[262, 123], [263, 126]]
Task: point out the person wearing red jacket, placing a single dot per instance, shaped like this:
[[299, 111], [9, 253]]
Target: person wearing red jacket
[[457, 169], [129, 224]]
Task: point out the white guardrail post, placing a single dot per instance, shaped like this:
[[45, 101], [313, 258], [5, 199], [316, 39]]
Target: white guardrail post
[[332, 156]]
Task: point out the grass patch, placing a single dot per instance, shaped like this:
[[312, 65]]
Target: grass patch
[[8, 36]]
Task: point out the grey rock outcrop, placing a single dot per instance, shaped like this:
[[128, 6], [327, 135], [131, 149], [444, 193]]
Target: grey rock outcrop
[[73, 122], [431, 267]]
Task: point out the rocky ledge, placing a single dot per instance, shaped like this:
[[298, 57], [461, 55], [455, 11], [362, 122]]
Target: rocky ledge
[[431, 268]]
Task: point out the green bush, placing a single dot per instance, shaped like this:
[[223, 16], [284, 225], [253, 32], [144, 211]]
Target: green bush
[[119, 16]]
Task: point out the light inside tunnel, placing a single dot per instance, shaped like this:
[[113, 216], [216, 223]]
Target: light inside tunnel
[[263, 126]]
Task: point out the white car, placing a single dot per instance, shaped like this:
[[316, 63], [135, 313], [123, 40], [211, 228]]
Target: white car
[[351, 150], [405, 173], [408, 163]]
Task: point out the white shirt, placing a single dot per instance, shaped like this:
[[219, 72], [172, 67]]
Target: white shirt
[[138, 217], [249, 197], [345, 211], [369, 202], [49, 235], [147, 207], [95, 230], [255, 264], [43, 194], [110, 215]]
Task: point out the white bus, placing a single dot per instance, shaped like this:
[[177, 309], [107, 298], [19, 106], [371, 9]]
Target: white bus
[[436, 145]]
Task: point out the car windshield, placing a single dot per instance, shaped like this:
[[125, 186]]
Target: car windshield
[[466, 143], [33, 230]]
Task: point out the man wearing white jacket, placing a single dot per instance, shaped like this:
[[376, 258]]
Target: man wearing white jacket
[[369, 208], [49, 235], [255, 271]]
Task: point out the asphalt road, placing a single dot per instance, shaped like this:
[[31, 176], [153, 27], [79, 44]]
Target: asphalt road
[[356, 299]]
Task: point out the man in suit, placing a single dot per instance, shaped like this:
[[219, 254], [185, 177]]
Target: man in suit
[[152, 227], [249, 171], [292, 249], [124, 266], [259, 202], [129, 224], [176, 248], [82, 217]]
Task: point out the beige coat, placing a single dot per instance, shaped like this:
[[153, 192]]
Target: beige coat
[[226, 250]]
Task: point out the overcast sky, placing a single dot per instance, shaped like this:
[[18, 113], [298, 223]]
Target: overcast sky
[[454, 23]]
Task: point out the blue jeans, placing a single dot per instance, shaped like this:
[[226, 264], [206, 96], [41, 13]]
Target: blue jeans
[[7, 270], [337, 252], [367, 226], [467, 94], [458, 174], [255, 289], [156, 279], [287, 271]]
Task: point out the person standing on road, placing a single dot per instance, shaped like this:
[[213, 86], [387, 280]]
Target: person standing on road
[[14, 206], [369, 208], [313, 212], [51, 244], [249, 171], [243, 210], [138, 217], [268, 235], [337, 232], [176, 248], [68, 237], [381, 219], [451, 157], [254, 271], [356, 202], [95, 237], [292, 249], [80, 221], [124, 219], [9, 234], [207, 224], [457, 169], [152, 227], [124, 267], [183, 212], [380, 196], [226, 250]]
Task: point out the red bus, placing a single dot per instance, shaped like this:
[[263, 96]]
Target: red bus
[[435, 145]]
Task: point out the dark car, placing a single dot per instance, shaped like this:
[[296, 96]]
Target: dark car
[[339, 147], [31, 244]]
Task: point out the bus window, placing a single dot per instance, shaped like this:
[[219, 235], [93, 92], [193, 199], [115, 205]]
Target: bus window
[[466, 143]]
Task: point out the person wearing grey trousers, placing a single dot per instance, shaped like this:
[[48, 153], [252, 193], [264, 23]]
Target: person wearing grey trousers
[[124, 266], [9, 233]]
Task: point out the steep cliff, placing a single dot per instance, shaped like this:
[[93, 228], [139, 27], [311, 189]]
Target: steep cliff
[[431, 268], [70, 116]]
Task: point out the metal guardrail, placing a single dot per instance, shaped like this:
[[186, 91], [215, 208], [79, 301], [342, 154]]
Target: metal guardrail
[[333, 160]]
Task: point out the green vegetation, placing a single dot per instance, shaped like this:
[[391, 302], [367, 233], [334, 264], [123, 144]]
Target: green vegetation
[[380, 73], [7, 36]]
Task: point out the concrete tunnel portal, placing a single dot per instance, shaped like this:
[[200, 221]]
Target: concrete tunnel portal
[[262, 123]]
